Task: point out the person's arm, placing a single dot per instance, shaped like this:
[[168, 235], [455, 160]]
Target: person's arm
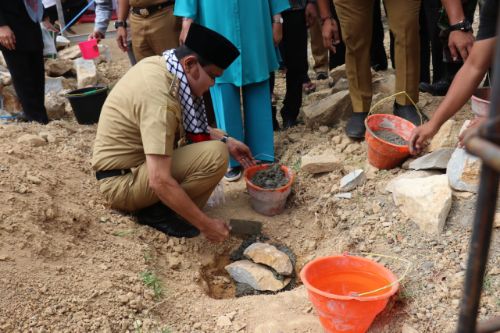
[[311, 12], [121, 32], [330, 30], [459, 42], [463, 86], [187, 9], [173, 195], [103, 11], [237, 149]]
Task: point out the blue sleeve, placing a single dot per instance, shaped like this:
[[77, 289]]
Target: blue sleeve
[[186, 8], [278, 6], [103, 11]]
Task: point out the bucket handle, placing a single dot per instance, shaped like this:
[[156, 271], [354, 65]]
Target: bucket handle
[[408, 263], [385, 99]]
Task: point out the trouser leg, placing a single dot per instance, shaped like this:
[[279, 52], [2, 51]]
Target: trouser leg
[[404, 23], [356, 22], [227, 108], [259, 134], [377, 49], [294, 52], [337, 58], [425, 49], [28, 77], [197, 167], [319, 52]]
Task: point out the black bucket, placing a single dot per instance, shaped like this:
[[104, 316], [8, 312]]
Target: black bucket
[[87, 103]]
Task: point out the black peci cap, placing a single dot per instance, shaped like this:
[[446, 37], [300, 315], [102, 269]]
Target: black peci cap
[[211, 46]]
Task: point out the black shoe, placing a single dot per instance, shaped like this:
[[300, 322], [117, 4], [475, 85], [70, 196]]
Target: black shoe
[[355, 128], [439, 88], [164, 219], [233, 174], [321, 76], [409, 113], [289, 123], [276, 124], [379, 67]]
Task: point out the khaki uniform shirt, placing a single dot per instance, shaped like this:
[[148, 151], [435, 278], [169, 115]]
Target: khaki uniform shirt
[[140, 116], [145, 3]]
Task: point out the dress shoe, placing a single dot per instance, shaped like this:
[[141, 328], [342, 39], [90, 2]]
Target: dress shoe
[[355, 127], [410, 113], [439, 88], [289, 123], [164, 219]]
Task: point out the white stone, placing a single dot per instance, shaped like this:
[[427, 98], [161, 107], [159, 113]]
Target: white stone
[[340, 85], [58, 67], [435, 160], [463, 171], [32, 140], [445, 137], [325, 162], [55, 105], [86, 72], [338, 73], [53, 84], [71, 52], [408, 329], [223, 321], [328, 110], [384, 84], [344, 195], [255, 275], [352, 180], [426, 201], [269, 255], [409, 175]]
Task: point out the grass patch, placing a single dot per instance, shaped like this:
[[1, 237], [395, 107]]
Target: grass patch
[[152, 281]]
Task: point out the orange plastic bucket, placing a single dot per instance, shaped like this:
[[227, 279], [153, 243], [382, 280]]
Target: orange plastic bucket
[[89, 49], [265, 201], [383, 154], [333, 284]]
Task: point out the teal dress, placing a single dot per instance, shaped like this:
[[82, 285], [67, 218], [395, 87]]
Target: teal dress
[[247, 24]]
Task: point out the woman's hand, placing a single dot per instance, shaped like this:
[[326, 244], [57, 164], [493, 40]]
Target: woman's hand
[[7, 38], [420, 136]]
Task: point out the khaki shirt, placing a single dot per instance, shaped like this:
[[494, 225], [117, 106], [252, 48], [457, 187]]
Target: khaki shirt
[[140, 116], [145, 3]]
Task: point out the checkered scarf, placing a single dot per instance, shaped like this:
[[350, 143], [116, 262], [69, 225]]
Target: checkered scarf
[[194, 117]]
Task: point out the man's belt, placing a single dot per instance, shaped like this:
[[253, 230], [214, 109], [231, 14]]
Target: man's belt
[[111, 173], [147, 11]]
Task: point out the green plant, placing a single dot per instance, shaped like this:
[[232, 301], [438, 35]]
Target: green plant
[[153, 282]]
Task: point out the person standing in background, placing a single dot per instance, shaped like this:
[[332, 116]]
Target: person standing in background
[[255, 27]]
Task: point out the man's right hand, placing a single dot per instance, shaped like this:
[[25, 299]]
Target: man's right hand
[[460, 44], [420, 136], [7, 38], [330, 32], [215, 230], [96, 35], [121, 38]]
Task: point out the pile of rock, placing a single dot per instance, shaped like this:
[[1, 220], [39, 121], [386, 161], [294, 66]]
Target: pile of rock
[[67, 72], [265, 269]]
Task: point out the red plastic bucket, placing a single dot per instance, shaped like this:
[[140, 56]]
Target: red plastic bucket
[[332, 285], [265, 201], [383, 154], [89, 49]]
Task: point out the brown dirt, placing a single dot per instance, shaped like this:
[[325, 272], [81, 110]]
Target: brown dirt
[[68, 263]]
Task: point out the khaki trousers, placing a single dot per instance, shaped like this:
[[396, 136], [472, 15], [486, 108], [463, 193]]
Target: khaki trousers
[[154, 34], [356, 21], [197, 167], [319, 52]]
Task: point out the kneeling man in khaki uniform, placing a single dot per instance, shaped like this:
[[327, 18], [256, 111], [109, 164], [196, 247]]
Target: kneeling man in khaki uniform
[[154, 153]]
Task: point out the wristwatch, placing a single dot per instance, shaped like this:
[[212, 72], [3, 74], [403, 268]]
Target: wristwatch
[[224, 138], [463, 25], [278, 20], [120, 24]]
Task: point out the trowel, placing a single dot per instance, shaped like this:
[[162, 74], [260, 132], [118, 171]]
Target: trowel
[[245, 227]]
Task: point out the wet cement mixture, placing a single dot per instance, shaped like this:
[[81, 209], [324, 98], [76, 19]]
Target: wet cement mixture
[[272, 177], [390, 137]]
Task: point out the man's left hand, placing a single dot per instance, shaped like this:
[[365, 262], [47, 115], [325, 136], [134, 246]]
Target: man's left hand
[[240, 152], [460, 44]]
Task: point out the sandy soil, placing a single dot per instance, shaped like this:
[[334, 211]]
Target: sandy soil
[[68, 263]]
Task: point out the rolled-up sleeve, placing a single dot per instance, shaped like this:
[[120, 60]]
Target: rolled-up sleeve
[[103, 11], [186, 8]]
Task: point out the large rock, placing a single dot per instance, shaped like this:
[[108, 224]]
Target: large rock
[[435, 160], [71, 53], [58, 67], [338, 73], [329, 110], [325, 162], [384, 84], [269, 255], [340, 85], [463, 171], [352, 180], [55, 105], [255, 275], [86, 72], [391, 185], [426, 201], [318, 95], [54, 84], [32, 140], [446, 137], [11, 102], [5, 77]]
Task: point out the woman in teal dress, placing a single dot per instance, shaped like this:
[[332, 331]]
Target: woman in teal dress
[[254, 26]]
